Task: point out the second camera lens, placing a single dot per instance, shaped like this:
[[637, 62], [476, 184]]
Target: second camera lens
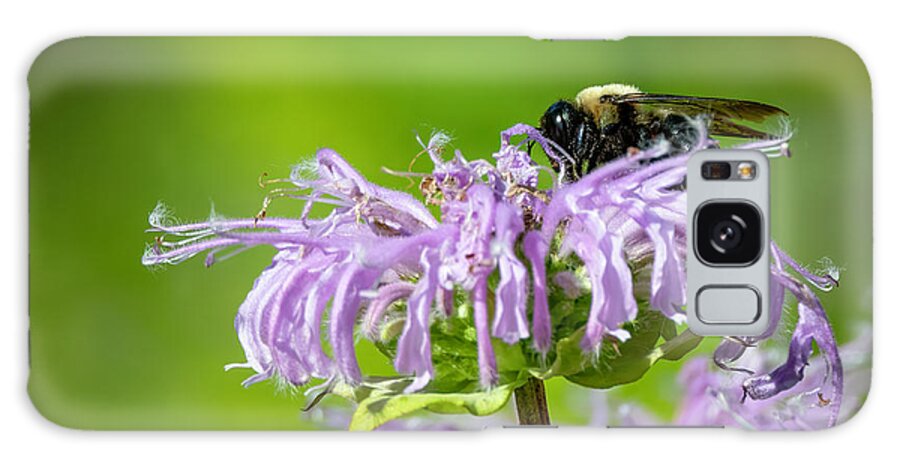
[[716, 170]]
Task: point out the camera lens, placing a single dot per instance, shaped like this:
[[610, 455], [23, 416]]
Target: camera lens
[[728, 233], [716, 170]]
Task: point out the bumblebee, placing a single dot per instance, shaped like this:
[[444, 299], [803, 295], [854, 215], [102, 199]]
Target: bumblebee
[[609, 121]]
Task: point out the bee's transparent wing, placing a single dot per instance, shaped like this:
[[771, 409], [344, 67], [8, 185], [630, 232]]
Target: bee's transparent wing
[[725, 115]]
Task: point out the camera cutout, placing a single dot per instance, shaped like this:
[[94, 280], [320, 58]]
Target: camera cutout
[[728, 233], [728, 242], [728, 170]]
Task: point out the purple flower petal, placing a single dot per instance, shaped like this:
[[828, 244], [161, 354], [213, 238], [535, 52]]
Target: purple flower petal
[[414, 346], [510, 318], [812, 326], [354, 280], [535, 250], [445, 301], [251, 323], [487, 364], [307, 339], [387, 295], [825, 282], [668, 283], [612, 301]]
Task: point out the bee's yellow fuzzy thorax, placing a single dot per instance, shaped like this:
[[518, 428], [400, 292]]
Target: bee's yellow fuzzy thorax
[[597, 91], [589, 99]]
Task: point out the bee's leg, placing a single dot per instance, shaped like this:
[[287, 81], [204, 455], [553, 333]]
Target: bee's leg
[[613, 143], [586, 145], [648, 136]]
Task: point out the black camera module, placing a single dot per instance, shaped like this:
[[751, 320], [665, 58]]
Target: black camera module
[[728, 233]]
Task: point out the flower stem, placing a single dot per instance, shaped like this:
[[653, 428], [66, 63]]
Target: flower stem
[[531, 403]]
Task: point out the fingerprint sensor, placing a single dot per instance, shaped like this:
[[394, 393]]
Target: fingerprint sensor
[[728, 304]]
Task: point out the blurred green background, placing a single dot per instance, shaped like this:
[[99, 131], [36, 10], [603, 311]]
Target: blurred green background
[[118, 124]]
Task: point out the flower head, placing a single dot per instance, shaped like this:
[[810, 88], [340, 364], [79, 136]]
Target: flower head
[[502, 246]]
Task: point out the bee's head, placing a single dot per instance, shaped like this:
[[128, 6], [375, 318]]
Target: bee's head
[[573, 131]]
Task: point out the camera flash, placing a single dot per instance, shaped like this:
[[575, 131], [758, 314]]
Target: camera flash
[[746, 170]]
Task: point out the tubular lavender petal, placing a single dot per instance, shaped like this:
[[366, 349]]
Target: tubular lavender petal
[[535, 250], [414, 346], [812, 326], [510, 318], [387, 295], [487, 364]]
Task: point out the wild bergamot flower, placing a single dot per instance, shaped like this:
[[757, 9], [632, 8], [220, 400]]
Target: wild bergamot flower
[[508, 284]]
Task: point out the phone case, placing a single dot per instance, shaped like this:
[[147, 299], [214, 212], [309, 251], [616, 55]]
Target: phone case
[[435, 233]]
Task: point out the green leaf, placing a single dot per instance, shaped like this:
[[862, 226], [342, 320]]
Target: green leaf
[[370, 387], [381, 405], [628, 361], [510, 357], [570, 358], [621, 363], [669, 329], [677, 347], [454, 352]]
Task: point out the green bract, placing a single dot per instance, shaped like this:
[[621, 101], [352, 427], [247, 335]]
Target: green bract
[[455, 388]]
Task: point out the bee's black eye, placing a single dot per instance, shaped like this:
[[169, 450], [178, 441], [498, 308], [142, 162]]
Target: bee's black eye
[[573, 131], [560, 122]]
